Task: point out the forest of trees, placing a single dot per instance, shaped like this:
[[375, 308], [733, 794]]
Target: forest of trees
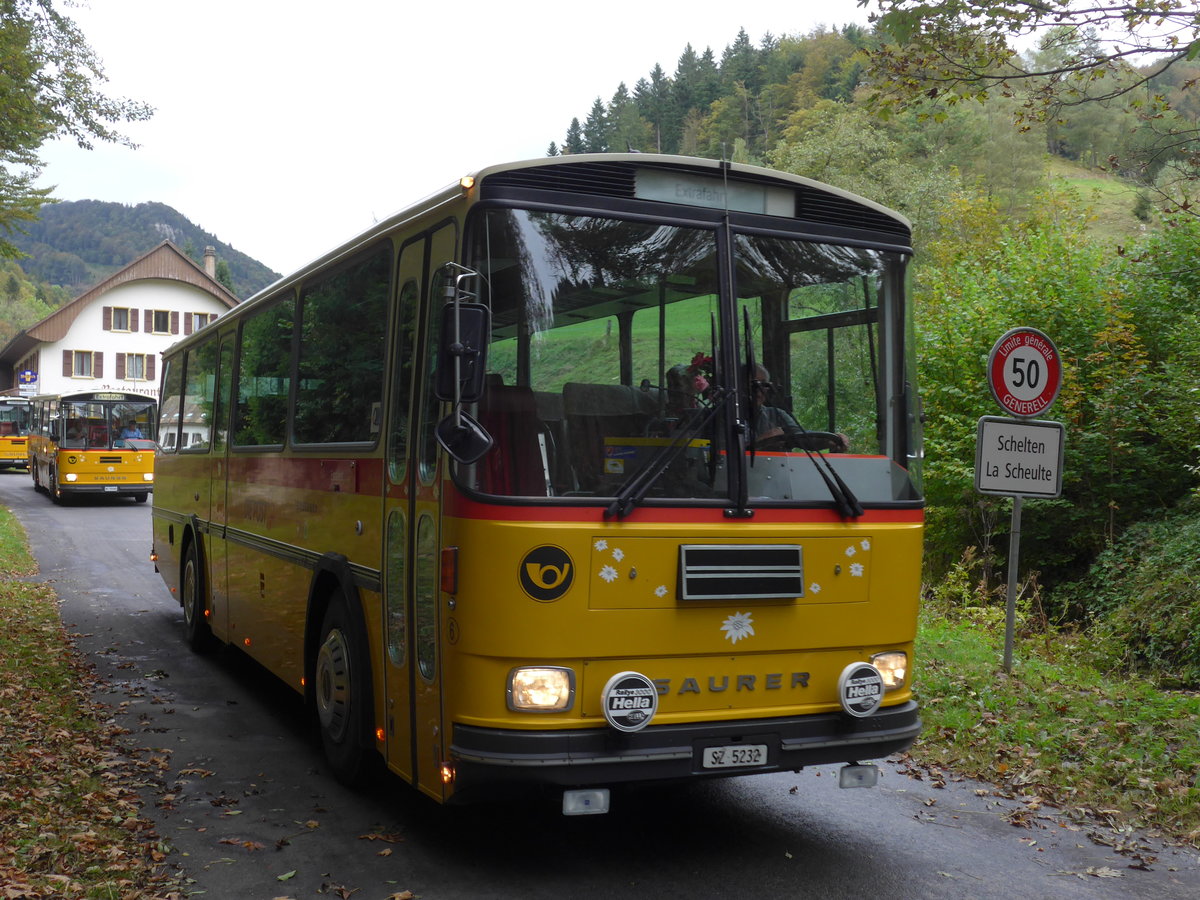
[[1102, 260]]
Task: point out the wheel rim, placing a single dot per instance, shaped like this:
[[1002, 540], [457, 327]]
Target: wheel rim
[[189, 591], [333, 685]]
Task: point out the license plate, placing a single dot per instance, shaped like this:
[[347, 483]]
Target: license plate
[[734, 755], [111, 487]]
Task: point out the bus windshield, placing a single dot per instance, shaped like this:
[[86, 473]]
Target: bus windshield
[[103, 425], [621, 344], [14, 418]]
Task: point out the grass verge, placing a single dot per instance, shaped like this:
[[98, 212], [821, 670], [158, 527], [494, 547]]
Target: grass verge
[[70, 823], [1060, 729]]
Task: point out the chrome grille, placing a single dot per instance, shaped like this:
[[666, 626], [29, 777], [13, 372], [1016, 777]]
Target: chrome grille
[[740, 571]]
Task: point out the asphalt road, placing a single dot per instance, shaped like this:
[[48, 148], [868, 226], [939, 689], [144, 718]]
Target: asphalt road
[[250, 810]]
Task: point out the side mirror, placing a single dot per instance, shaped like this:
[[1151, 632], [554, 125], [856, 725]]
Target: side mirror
[[462, 354], [463, 438]]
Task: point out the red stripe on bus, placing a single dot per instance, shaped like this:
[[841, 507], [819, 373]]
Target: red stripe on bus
[[463, 507]]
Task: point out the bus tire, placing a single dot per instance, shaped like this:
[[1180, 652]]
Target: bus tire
[[339, 694], [142, 497], [191, 596]]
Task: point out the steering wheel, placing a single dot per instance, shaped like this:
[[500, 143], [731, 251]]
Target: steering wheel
[[803, 440]]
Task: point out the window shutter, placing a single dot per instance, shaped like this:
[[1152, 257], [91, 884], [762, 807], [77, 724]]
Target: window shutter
[[149, 366], [120, 366], [175, 322], [187, 324], [107, 311], [97, 365], [68, 363], [149, 321], [133, 320]]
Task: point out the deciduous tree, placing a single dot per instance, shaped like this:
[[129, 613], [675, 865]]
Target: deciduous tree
[[49, 87]]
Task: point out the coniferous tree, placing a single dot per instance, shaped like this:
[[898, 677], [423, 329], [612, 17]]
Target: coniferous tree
[[595, 129], [552, 150], [657, 107], [574, 140], [739, 65], [627, 130]]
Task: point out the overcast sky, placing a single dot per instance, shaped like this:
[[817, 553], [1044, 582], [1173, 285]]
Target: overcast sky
[[285, 127]]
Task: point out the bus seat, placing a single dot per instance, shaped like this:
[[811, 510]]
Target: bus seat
[[514, 465], [549, 406], [594, 412]]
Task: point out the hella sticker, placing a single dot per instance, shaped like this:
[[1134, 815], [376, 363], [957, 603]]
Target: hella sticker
[[630, 701], [860, 689]]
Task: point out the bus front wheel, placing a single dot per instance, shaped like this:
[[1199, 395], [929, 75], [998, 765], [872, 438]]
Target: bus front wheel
[[339, 694], [191, 595]]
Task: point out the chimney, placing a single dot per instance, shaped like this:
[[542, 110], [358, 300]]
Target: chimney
[[210, 261]]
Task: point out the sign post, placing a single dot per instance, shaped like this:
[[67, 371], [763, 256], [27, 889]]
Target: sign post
[[1020, 456]]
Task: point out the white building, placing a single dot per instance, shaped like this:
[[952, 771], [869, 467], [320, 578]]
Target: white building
[[111, 337]]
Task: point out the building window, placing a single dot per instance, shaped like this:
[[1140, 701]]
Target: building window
[[135, 366], [199, 320], [81, 364], [162, 322], [120, 319]]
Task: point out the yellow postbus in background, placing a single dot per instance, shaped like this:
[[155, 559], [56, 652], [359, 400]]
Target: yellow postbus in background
[[14, 432], [95, 442], [581, 472]]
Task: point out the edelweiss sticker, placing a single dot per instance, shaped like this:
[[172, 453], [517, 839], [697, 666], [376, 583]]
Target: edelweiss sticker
[[738, 626]]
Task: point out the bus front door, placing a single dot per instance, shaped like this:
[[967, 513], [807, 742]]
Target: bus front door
[[416, 743]]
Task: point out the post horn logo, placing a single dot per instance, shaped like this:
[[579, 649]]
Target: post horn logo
[[546, 573]]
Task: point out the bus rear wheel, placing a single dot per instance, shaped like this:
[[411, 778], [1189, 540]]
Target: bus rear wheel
[[191, 595], [339, 694]]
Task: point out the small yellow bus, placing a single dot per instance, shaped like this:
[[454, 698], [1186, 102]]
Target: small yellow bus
[[14, 432], [582, 472], [95, 442]]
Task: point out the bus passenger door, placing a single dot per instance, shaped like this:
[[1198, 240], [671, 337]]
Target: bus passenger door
[[416, 744], [217, 546]]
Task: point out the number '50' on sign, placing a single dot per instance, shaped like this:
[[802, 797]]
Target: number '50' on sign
[[1024, 372]]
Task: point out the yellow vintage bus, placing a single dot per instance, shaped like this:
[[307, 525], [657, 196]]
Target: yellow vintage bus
[[581, 472], [14, 432], [94, 442]]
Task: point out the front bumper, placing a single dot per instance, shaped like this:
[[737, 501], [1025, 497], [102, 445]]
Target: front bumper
[[604, 756]]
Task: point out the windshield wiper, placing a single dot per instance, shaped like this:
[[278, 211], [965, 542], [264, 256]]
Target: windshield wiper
[[635, 489], [843, 497]]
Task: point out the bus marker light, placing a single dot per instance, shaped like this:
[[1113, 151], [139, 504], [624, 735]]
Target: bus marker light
[[379, 735], [585, 803], [450, 570], [447, 773], [466, 182], [246, 641]]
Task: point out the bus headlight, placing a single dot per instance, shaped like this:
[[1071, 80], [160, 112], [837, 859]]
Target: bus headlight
[[541, 689], [70, 476], [147, 476], [893, 666]]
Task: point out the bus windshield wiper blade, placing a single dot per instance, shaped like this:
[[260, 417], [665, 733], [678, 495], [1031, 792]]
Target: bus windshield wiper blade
[[843, 497], [635, 489]]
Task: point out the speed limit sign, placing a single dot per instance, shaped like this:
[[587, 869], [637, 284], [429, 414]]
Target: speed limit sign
[[1024, 372]]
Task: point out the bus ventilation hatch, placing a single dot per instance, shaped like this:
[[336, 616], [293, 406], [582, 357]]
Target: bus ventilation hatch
[[740, 571]]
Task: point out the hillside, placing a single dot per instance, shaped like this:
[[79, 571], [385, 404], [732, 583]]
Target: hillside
[[78, 243]]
